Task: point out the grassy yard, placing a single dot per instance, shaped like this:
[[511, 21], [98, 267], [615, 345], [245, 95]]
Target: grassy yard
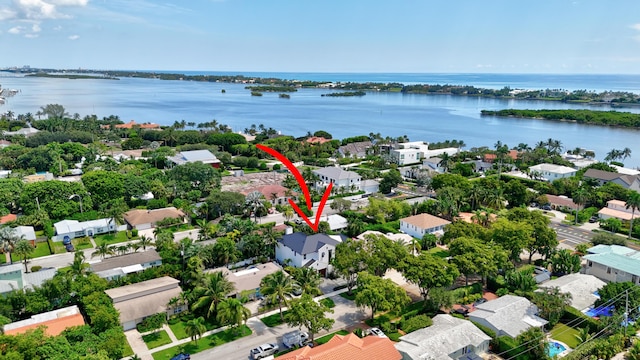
[[326, 338], [208, 342], [328, 303], [566, 334], [351, 297], [119, 237], [439, 252], [273, 320], [156, 339], [127, 350], [42, 249], [178, 328], [78, 244]]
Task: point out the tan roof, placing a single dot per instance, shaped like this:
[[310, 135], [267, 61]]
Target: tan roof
[[425, 221], [131, 124], [561, 201], [55, 322], [141, 216], [248, 279], [268, 190], [622, 215], [126, 260], [617, 202], [348, 347], [143, 299]]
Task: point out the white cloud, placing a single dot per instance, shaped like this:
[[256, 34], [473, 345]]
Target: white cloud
[[74, 37], [31, 36], [38, 9], [36, 28], [635, 26], [16, 30]]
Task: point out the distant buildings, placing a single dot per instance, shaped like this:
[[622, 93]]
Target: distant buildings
[[357, 150], [617, 209], [413, 152], [338, 177], [628, 181], [276, 194], [133, 125], [26, 132], [203, 156]]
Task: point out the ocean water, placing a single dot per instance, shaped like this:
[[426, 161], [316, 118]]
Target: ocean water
[[420, 117]]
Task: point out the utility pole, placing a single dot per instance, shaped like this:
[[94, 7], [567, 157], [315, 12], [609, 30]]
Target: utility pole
[[626, 313]]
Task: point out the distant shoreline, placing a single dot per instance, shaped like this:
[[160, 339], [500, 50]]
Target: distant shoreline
[[72, 76]]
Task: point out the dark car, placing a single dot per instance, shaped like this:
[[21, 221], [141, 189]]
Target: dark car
[[70, 248], [66, 240], [480, 301], [182, 356], [594, 219], [546, 207]]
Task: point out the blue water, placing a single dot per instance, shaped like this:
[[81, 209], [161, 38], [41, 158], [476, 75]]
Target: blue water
[[421, 117], [600, 311], [555, 348]]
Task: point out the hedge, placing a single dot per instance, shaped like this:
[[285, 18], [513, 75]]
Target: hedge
[[572, 317], [485, 330], [506, 347]]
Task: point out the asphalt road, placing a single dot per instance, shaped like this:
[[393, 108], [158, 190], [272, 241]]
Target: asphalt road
[[571, 235]]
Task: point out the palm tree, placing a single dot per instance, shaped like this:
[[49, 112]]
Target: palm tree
[[24, 250], [254, 202], [216, 287], [634, 351], [583, 334], [102, 250], [144, 242], [476, 195], [625, 153], [78, 268], [308, 280], [446, 162], [278, 286], [233, 312], [8, 239], [613, 155], [195, 328], [580, 197], [633, 203], [288, 212]]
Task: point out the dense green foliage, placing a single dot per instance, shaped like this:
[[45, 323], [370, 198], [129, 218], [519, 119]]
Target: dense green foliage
[[594, 117]]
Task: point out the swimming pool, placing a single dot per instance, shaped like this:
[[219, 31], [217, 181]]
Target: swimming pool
[[555, 348]]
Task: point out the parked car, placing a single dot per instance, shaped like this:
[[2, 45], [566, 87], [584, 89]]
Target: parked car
[[546, 207], [463, 310], [377, 332], [295, 338], [182, 356], [594, 219], [540, 270], [480, 301], [264, 350], [70, 248]]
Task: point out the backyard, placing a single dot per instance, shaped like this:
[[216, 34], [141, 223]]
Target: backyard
[[178, 326], [111, 238], [565, 334]]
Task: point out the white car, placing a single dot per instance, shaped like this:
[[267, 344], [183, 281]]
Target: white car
[[377, 332], [264, 350]]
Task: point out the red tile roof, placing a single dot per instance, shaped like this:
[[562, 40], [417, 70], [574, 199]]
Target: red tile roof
[[348, 347], [132, 123], [52, 327], [513, 154], [268, 190], [5, 219], [317, 140]]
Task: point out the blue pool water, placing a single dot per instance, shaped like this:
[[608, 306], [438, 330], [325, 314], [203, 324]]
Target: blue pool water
[[600, 311], [555, 348]]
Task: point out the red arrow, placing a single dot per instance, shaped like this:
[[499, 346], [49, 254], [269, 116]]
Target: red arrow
[[303, 186]]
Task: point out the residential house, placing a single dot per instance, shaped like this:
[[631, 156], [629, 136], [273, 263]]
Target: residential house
[[448, 338], [146, 219], [582, 288], [348, 180], [551, 172], [336, 222], [8, 218], [13, 277], [491, 158], [138, 301], [624, 170], [276, 194], [613, 263], [203, 156], [628, 181], [421, 224], [433, 164], [508, 315], [118, 266], [561, 202], [71, 229], [369, 186], [45, 176], [133, 125], [617, 209], [349, 347], [357, 150], [26, 232], [302, 250], [26, 132], [247, 281], [317, 140], [408, 153], [54, 322], [404, 238]]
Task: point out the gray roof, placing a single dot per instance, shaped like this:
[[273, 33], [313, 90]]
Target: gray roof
[[509, 314], [204, 156], [337, 173], [355, 148], [601, 174], [581, 287], [447, 335], [34, 279], [126, 260], [303, 244], [27, 231]]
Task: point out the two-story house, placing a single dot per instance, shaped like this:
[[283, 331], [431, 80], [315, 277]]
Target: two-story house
[[617, 209], [551, 172], [301, 250], [340, 178], [421, 224]]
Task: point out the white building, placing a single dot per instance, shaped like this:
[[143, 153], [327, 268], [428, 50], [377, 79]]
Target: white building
[[339, 178], [613, 263], [203, 156], [421, 224], [75, 229], [551, 172], [581, 287], [508, 315], [302, 250], [414, 151]]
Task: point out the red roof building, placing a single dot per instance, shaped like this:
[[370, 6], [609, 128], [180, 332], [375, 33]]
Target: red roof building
[[348, 347], [490, 158], [131, 124], [8, 218], [317, 140]]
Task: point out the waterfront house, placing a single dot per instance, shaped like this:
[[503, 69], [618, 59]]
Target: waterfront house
[[54, 322], [551, 172], [71, 229], [203, 156], [137, 301], [421, 224], [302, 250], [142, 219], [447, 339], [613, 263], [349, 347], [508, 315]]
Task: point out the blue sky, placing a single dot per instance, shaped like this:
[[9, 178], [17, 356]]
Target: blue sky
[[500, 36]]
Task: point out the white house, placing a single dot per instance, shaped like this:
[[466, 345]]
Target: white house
[[73, 228], [203, 156], [551, 172], [408, 152], [448, 338], [617, 209], [421, 224], [613, 263], [582, 288], [338, 177], [508, 315], [247, 281], [301, 250]]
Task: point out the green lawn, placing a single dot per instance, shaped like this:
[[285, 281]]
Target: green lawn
[[156, 339], [78, 244], [116, 238], [566, 334], [204, 343], [127, 350], [439, 252], [328, 303], [273, 320], [326, 338], [351, 297], [178, 328]]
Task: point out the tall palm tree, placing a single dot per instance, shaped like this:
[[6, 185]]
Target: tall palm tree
[[625, 153], [278, 287], [195, 328], [8, 240], [102, 250], [308, 280], [79, 267], [288, 212], [233, 312], [633, 203], [254, 203], [24, 250], [216, 287], [144, 242], [580, 197]]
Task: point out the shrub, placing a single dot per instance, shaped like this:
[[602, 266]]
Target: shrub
[[277, 167], [485, 330], [502, 291], [416, 323], [36, 268], [134, 232], [571, 316], [495, 283], [507, 347], [359, 333], [152, 322]]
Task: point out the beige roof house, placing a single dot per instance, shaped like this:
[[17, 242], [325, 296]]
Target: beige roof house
[[248, 280], [145, 219], [421, 224], [136, 301]]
